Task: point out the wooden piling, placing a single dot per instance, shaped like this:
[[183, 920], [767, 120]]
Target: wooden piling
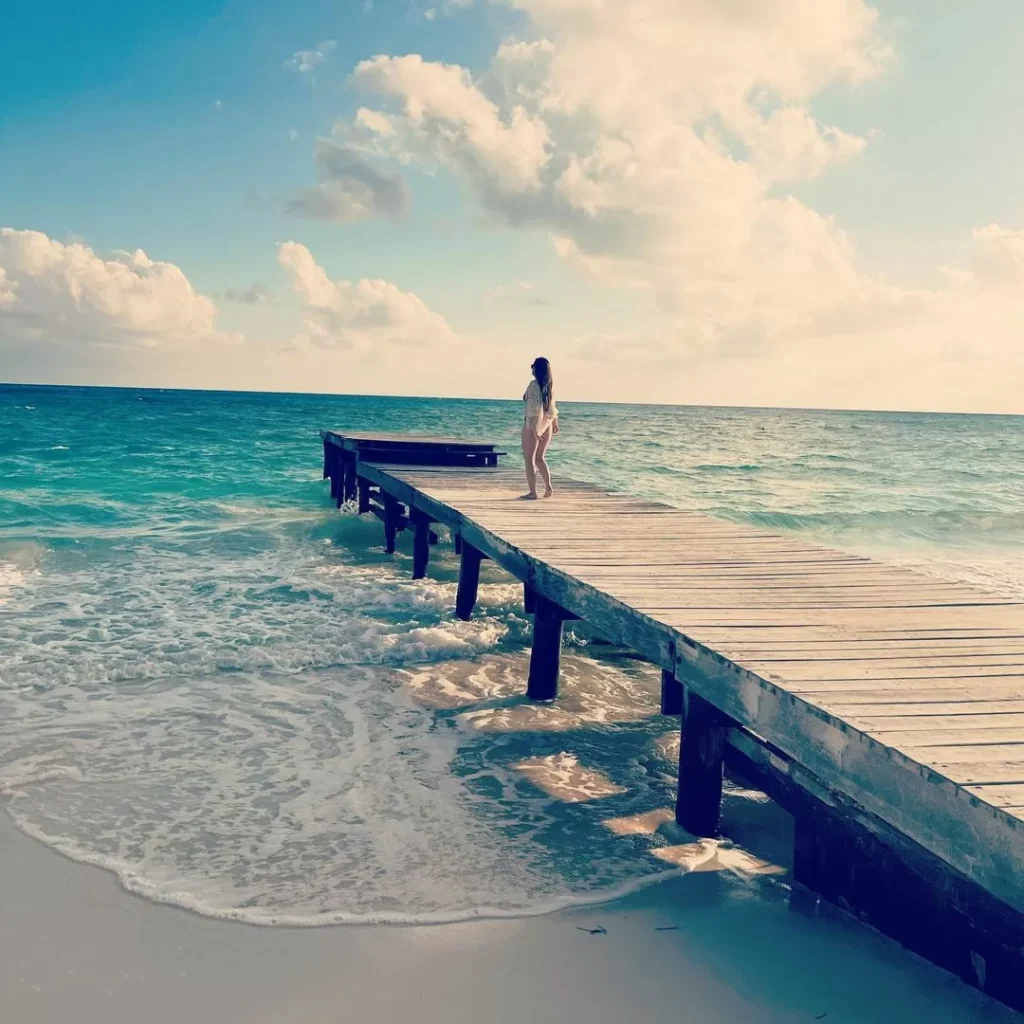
[[391, 516], [457, 543], [351, 478], [331, 467], [469, 581], [701, 750], [671, 693], [421, 544], [545, 656], [340, 481], [363, 489]]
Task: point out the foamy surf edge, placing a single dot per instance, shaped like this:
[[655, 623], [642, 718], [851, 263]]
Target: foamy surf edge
[[134, 884]]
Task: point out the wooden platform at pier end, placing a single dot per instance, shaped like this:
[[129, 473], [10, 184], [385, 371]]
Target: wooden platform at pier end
[[883, 707], [412, 449]]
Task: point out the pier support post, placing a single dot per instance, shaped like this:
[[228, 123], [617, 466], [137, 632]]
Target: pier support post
[[340, 480], [421, 544], [671, 693], [457, 543], [469, 581], [331, 467], [363, 488], [350, 478], [701, 751], [529, 599], [545, 657], [390, 521]]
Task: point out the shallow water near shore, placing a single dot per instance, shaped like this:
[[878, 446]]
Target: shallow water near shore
[[218, 687]]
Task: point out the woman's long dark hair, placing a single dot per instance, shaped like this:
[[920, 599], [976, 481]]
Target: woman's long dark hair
[[542, 371]]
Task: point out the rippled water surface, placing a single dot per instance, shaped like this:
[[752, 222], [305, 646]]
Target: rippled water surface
[[219, 687]]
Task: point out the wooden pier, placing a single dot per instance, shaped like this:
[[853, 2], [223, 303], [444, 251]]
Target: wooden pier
[[883, 708]]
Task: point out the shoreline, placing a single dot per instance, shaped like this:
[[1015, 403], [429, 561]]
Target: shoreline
[[708, 946]]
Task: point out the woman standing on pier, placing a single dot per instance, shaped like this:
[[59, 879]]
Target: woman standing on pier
[[540, 424]]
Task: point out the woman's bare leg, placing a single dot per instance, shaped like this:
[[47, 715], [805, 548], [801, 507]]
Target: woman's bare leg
[[529, 455], [541, 463]]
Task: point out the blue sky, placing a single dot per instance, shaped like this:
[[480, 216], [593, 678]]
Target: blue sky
[[182, 131]]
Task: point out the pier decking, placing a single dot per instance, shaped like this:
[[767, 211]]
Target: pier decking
[[884, 708]]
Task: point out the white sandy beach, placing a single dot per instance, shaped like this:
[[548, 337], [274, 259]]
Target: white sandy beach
[[707, 947]]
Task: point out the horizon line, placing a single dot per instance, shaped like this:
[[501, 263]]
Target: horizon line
[[480, 398]]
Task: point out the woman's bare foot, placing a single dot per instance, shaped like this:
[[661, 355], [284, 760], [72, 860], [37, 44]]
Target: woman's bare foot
[[548, 493], [532, 496]]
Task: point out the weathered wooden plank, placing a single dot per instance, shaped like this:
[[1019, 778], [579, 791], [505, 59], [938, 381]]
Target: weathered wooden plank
[[619, 560], [941, 738], [1000, 794], [588, 513], [784, 598], [743, 578], [747, 636], [851, 671], [948, 618], [978, 687], [740, 578], [979, 772], [894, 653], [516, 514], [724, 589], [965, 723], [910, 612], [622, 531], [665, 541], [901, 708], [971, 753], [736, 573]]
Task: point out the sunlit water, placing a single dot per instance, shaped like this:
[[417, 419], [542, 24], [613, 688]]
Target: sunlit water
[[218, 686]]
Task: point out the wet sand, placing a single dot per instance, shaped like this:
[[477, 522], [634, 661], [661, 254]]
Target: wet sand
[[710, 947]]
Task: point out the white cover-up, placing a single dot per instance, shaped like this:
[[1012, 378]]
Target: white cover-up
[[536, 418]]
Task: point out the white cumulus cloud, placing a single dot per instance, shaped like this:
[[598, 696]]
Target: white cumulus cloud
[[448, 119], [370, 316], [52, 291]]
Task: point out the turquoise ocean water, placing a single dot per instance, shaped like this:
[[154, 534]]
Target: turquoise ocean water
[[219, 687]]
